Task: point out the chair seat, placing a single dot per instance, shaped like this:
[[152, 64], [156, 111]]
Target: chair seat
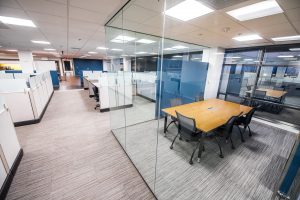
[[194, 137]]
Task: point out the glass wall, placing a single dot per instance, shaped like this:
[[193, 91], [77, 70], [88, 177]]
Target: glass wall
[[149, 73], [265, 76]]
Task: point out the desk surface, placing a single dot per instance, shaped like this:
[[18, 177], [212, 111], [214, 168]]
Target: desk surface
[[209, 114], [271, 93]]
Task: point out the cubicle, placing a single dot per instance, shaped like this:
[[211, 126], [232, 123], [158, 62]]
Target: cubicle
[[27, 97], [10, 150]]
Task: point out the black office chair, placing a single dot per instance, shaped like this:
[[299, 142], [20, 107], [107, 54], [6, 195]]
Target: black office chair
[[245, 121], [96, 96], [199, 98], [226, 130], [174, 102], [188, 131]]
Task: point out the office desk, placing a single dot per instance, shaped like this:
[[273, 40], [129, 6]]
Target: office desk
[[209, 114], [271, 93]]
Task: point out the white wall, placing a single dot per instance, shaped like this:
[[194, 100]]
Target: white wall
[[214, 56], [26, 61], [43, 66]]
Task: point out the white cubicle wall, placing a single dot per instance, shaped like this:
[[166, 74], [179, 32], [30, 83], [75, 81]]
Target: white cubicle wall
[[27, 103], [9, 144], [145, 84]]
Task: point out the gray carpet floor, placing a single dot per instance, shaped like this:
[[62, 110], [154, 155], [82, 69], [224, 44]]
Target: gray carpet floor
[[72, 154], [251, 171]]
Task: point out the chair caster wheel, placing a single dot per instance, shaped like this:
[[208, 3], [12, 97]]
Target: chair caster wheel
[[171, 147], [180, 138], [221, 156], [232, 147], [243, 140], [191, 162], [198, 160], [250, 135]]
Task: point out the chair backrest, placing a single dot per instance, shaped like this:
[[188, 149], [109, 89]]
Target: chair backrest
[[250, 114], [278, 88], [199, 98], [229, 124], [249, 87], [96, 92], [186, 124], [175, 102], [260, 94]]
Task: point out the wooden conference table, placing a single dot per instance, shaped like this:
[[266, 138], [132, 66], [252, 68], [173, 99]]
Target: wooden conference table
[[271, 93], [208, 114]]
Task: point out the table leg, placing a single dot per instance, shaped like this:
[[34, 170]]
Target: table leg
[[165, 124]]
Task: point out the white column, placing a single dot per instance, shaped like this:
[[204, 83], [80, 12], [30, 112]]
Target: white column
[[215, 57], [26, 61]]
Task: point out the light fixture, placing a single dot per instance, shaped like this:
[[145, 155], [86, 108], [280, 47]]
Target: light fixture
[[50, 49], [17, 21], [102, 48], [187, 10], [247, 38], [122, 39], [92, 52], [286, 38], [196, 58], [117, 49], [153, 53], [248, 59], [285, 56], [177, 56], [294, 49], [179, 47], [257, 10], [169, 49], [145, 41], [233, 57], [141, 52], [40, 42], [12, 50]]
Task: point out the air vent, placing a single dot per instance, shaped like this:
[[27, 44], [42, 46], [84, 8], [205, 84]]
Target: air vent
[[75, 48], [3, 26]]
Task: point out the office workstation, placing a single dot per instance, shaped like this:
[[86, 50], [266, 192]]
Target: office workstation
[[168, 99]]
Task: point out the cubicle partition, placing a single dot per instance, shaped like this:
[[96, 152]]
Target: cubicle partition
[[10, 150], [27, 97]]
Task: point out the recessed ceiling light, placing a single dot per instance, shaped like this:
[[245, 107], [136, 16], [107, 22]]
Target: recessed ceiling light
[[247, 38], [102, 48], [294, 49], [153, 53], [257, 10], [116, 49], [12, 50], [233, 57], [92, 52], [188, 10], [50, 49], [285, 56], [196, 58], [286, 38], [169, 49], [141, 52], [40, 42], [17, 21], [145, 41], [248, 59], [179, 47], [122, 39], [177, 56]]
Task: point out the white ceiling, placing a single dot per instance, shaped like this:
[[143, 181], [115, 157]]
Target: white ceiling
[[87, 18], [208, 30], [85, 30]]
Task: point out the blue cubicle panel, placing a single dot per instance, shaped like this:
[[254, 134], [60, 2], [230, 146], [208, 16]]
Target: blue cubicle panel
[[86, 65], [182, 80], [54, 78], [13, 71]]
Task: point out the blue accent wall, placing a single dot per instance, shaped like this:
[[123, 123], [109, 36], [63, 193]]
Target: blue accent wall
[[54, 78], [86, 65], [183, 80]]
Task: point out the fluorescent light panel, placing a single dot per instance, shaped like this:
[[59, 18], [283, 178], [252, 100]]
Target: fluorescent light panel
[[188, 10], [12, 50], [116, 49], [141, 52], [92, 52], [50, 49], [145, 41], [17, 21], [257, 10], [286, 38], [247, 38], [285, 56], [40, 42], [179, 47], [122, 39], [294, 49], [102, 48], [177, 56], [233, 57]]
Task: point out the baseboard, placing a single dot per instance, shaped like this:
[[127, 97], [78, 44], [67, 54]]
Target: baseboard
[[6, 185], [149, 99], [91, 96], [116, 108], [56, 87], [85, 88], [34, 121]]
